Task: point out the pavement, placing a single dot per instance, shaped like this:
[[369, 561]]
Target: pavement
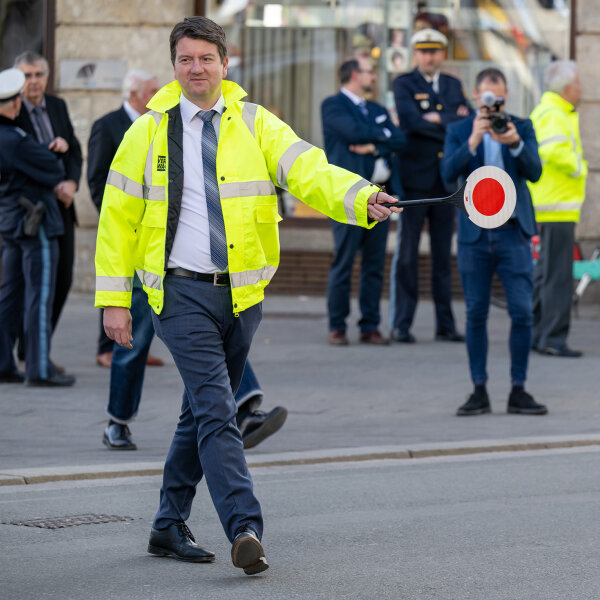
[[373, 489], [352, 403]]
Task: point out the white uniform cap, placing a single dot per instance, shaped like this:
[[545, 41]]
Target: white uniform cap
[[11, 84], [429, 39]]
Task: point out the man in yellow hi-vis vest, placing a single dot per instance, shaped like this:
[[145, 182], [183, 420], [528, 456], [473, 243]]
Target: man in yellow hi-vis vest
[[190, 206], [557, 200]]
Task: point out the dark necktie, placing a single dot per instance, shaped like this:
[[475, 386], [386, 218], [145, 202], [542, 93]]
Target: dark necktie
[[45, 136], [218, 241], [362, 105]]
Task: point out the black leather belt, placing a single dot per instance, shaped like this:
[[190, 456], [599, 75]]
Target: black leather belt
[[214, 278]]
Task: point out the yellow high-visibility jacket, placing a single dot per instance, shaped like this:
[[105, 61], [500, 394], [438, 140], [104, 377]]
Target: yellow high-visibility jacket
[[559, 193], [256, 151]]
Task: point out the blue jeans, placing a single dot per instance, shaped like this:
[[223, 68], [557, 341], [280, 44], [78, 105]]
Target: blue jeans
[[210, 346], [128, 367], [348, 240], [507, 252]]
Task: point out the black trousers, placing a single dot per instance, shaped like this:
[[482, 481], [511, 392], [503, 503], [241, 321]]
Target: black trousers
[[406, 275], [553, 285], [66, 259]]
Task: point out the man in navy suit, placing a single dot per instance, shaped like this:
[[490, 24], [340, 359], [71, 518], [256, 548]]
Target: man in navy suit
[[427, 101], [470, 144], [359, 136], [46, 118]]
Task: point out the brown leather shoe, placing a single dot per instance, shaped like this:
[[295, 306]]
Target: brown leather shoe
[[373, 337], [154, 361], [337, 337], [104, 359]]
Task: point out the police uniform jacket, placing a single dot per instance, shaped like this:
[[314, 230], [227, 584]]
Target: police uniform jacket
[[26, 169], [415, 97]]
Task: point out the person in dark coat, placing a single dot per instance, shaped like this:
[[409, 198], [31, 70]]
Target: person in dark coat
[[359, 136], [506, 251], [46, 118], [106, 135], [30, 224], [426, 101]]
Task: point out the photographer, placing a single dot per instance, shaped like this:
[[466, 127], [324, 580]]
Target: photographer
[[470, 144]]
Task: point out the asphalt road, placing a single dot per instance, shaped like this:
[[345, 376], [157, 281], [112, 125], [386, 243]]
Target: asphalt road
[[502, 526]]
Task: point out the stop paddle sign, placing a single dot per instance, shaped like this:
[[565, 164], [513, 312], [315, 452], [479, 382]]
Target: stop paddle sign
[[490, 197]]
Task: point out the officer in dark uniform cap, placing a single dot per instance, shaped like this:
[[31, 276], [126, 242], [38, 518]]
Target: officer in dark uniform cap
[[426, 101], [30, 221]]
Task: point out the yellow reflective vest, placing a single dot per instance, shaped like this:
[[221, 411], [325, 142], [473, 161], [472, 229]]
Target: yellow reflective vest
[[256, 152], [559, 193]]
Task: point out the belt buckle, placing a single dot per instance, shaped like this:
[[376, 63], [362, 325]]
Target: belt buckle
[[216, 280]]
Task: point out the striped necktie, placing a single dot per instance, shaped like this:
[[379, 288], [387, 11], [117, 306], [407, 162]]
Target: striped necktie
[[218, 241]]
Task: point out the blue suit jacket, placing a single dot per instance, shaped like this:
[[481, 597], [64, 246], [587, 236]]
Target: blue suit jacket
[[415, 97], [458, 162], [344, 124]]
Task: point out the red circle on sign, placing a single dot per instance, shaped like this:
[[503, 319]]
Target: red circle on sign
[[488, 197]]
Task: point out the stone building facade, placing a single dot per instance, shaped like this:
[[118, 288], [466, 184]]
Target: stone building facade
[[137, 32]]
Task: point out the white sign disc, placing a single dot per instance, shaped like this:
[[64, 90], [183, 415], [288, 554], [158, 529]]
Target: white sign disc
[[490, 197]]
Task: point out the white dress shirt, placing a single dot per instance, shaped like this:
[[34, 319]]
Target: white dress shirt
[[191, 246], [434, 80], [381, 172], [131, 112]]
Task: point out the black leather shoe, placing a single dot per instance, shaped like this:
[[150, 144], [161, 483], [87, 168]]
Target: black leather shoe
[[564, 351], [247, 553], [258, 425], [478, 403], [118, 437], [403, 337], [12, 377], [520, 402], [177, 541], [56, 380], [449, 336]]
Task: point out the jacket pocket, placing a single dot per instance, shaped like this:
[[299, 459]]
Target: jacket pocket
[[267, 214], [155, 214]]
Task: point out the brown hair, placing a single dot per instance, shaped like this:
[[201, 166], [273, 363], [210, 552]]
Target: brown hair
[[492, 74], [198, 28]]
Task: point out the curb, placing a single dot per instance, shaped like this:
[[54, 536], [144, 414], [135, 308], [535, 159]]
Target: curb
[[291, 459]]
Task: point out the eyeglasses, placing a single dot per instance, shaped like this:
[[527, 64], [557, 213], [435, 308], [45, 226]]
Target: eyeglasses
[[36, 75], [370, 71]]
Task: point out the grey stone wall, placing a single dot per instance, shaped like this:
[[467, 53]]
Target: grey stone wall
[[587, 53], [137, 32]]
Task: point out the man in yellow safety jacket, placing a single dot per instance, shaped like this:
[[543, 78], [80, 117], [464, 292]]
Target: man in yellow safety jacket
[[557, 200], [190, 206]]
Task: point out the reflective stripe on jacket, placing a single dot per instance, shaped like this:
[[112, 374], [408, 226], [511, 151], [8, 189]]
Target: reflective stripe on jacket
[[560, 192], [256, 151]]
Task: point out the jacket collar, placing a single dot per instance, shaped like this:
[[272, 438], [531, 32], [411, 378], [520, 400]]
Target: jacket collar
[[554, 99], [168, 96]]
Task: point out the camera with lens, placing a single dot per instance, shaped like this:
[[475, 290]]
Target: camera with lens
[[498, 120]]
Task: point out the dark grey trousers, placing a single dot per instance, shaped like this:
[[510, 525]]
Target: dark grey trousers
[[553, 285]]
